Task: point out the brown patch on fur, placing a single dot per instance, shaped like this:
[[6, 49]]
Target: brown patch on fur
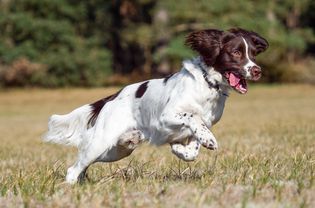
[[212, 44], [207, 43], [167, 78], [260, 43], [97, 107], [141, 89], [226, 61]]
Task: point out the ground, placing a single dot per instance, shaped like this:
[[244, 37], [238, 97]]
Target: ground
[[266, 156]]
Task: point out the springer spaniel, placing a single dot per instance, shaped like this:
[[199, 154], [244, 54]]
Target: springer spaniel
[[178, 110]]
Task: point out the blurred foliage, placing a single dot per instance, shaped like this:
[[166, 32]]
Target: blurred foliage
[[80, 43], [62, 35]]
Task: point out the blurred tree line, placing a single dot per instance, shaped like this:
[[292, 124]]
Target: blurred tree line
[[56, 43]]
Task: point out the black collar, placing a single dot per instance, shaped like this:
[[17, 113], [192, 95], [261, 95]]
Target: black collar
[[214, 85]]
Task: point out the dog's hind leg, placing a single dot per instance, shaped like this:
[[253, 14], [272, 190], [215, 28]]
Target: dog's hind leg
[[127, 142], [112, 147], [187, 152]]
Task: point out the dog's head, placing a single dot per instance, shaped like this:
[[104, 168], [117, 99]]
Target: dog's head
[[231, 53]]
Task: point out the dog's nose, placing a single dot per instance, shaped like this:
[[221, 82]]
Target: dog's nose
[[255, 72]]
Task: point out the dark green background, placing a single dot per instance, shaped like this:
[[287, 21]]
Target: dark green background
[[55, 43]]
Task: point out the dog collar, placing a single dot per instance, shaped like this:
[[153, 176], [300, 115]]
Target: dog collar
[[212, 85]]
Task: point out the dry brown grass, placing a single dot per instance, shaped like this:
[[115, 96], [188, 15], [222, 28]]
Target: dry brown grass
[[265, 159]]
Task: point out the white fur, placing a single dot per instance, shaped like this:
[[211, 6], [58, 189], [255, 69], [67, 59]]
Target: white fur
[[249, 63], [187, 152], [183, 107], [69, 129]]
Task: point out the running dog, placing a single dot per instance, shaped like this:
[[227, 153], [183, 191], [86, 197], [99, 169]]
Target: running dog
[[179, 109]]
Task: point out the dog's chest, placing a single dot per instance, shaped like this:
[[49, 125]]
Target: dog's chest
[[213, 108]]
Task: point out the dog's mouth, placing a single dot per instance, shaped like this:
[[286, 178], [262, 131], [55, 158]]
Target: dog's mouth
[[237, 82]]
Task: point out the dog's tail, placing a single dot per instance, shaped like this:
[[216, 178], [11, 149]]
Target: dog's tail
[[69, 129]]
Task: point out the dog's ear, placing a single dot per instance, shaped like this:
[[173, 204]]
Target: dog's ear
[[260, 43], [207, 43]]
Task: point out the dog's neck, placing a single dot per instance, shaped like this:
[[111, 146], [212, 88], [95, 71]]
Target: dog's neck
[[213, 78]]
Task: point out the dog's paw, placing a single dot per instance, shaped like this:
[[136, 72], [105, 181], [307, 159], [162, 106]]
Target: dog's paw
[[210, 144], [132, 143], [131, 140], [183, 152]]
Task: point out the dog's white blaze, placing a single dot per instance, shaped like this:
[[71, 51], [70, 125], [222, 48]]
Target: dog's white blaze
[[249, 63]]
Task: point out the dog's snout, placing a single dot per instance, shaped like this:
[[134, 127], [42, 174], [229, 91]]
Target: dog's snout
[[255, 72]]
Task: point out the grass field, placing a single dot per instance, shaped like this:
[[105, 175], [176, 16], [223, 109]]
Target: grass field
[[266, 156]]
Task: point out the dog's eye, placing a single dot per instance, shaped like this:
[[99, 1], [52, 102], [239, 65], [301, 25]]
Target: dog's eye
[[237, 53]]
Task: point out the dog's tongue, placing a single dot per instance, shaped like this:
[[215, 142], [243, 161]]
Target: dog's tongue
[[234, 80], [238, 83]]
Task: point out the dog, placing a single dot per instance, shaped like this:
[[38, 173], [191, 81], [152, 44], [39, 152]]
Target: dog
[[179, 109]]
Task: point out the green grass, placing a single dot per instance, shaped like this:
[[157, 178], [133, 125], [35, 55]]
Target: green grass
[[266, 156]]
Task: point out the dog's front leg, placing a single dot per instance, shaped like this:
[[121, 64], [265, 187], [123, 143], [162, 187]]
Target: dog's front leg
[[199, 130], [187, 152], [202, 134]]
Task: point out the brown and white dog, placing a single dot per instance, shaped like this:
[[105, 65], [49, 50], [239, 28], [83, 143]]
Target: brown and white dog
[[177, 109]]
